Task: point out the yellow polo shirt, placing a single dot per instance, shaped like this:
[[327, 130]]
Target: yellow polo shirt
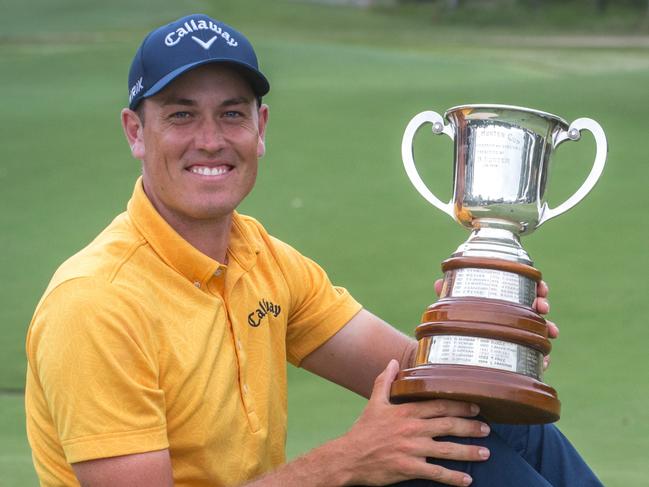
[[142, 343]]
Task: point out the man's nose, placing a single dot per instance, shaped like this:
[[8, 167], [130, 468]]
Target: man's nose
[[209, 136]]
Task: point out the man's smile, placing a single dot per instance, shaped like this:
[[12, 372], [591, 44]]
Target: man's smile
[[210, 170]]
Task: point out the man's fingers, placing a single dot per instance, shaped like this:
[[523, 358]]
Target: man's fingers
[[448, 450], [542, 289], [546, 362], [461, 427], [541, 305], [383, 382], [553, 329], [456, 451], [438, 286], [436, 408], [430, 471]]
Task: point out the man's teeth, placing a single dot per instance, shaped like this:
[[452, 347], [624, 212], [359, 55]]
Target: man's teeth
[[208, 171]]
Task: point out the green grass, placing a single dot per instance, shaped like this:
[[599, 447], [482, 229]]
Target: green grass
[[15, 457], [344, 84]]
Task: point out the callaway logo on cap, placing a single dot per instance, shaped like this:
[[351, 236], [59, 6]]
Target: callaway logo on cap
[[191, 41]]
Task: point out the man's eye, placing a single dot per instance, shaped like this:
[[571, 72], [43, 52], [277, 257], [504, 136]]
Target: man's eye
[[232, 114], [180, 115]]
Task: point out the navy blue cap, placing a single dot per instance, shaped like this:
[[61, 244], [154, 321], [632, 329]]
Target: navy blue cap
[[191, 41]]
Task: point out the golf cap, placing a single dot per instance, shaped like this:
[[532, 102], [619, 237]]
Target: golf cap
[[175, 48]]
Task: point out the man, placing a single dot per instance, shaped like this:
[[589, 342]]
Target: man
[[157, 353]]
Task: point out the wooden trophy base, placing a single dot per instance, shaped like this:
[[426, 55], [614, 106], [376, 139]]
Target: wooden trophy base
[[485, 351], [503, 397]]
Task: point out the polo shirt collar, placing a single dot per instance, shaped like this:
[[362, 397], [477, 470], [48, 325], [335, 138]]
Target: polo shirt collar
[[179, 254]]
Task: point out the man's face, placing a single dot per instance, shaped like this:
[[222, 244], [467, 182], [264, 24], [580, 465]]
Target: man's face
[[199, 144]]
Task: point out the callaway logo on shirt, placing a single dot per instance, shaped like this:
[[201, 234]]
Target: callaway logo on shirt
[[265, 307]]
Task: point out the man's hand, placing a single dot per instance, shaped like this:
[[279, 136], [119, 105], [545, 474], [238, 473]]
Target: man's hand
[[389, 443], [542, 306]]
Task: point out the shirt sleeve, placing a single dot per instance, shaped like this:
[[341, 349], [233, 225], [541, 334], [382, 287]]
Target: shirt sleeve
[[318, 308], [93, 353]]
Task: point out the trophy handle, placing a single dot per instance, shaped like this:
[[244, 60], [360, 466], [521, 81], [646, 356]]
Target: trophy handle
[[574, 133], [407, 155]]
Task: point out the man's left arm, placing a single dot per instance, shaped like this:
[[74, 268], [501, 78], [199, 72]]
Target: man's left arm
[[359, 352]]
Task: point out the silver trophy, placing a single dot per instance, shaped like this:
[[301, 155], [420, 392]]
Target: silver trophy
[[483, 341]]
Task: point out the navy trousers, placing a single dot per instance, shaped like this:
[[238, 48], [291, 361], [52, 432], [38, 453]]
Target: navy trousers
[[521, 456]]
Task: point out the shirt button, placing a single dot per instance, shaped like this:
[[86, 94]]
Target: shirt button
[[245, 388], [197, 283], [218, 272]]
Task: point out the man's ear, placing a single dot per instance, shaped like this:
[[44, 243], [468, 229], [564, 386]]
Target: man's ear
[[133, 129], [263, 120]]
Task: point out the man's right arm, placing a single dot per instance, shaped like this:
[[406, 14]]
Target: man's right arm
[[150, 469], [388, 444]]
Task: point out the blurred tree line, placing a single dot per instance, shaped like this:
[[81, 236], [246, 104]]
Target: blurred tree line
[[614, 17], [592, 17], [600, 6]]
